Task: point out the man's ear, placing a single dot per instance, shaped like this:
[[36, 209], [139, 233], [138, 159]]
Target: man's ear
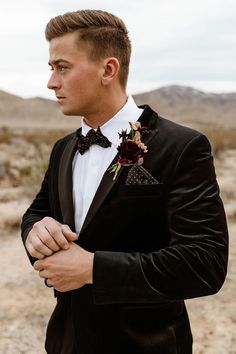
[[111, 68]]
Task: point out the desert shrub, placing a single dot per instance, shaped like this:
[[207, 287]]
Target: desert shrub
[[5, 135], [48, 137], [25, 156], [221, 139]]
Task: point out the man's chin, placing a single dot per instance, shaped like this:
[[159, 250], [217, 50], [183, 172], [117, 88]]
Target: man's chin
[[68, 112]]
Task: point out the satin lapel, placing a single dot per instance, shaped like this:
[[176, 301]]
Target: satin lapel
[[104, 188], [147, 139], [107, 181], [65, 182]]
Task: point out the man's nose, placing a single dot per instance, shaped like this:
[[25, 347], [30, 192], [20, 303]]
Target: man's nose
[[53, 82]]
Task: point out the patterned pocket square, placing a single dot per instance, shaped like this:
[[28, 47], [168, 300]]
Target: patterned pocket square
[[139, 175]]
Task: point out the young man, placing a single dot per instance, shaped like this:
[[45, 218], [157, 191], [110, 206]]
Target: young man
[[126, 231]]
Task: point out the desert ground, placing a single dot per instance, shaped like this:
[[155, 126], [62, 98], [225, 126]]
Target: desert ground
[[26, 304]]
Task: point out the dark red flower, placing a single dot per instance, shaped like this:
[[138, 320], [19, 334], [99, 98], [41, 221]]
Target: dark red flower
[[129, 152], [131, 149]]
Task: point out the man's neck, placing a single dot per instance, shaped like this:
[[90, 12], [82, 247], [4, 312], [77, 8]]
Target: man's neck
[[106, 111]]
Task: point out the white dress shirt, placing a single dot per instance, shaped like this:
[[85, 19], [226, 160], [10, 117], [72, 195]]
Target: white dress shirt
[[88, 169]]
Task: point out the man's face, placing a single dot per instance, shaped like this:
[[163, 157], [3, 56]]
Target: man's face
[[75, 78]]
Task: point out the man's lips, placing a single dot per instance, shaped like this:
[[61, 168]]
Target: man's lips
[[60, 98]]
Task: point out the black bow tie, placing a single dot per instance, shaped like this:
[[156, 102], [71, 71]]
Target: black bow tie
[[92, 137]]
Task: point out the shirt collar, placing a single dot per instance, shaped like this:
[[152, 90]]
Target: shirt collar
[[130, 112]]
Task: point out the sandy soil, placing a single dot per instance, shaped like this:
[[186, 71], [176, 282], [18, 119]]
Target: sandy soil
[[26, 304]]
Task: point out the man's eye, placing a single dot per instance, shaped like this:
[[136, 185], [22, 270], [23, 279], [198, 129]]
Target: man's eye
[[61, 68]]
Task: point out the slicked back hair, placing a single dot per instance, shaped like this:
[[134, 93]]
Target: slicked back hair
[[105, 33]]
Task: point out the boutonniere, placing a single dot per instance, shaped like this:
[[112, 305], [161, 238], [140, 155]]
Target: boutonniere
[[131, 149]]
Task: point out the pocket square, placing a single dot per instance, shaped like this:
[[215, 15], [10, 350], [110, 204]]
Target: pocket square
[[139, 175]]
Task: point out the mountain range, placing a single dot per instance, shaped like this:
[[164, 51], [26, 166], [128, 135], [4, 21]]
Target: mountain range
[[182, 104]]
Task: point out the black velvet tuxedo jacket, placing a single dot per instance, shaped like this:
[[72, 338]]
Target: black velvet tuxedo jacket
[[155, 246]]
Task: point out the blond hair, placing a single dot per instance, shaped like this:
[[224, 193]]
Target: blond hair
[[106, 34]]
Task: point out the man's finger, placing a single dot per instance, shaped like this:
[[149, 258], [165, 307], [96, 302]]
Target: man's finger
[[38, 265], [32, 251], [70, 235], [55, 231], [40, 247], [47, 239]]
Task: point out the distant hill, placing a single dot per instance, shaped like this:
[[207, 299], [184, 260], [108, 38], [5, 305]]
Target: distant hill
[[185, 105], [192, 107], [33, 113]]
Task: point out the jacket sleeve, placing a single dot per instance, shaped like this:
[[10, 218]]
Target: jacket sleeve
[[195, 262], [36, 212], [41, 206]]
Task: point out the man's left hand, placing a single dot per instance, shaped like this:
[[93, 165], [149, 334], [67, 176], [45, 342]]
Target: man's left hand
[[68, 269]]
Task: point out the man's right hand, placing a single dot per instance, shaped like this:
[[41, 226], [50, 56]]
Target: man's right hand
[[47, 237]]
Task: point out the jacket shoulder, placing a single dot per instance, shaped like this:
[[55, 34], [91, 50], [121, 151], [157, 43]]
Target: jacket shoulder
[[174, 138], [61, 143], [176, 130], [167, 127]]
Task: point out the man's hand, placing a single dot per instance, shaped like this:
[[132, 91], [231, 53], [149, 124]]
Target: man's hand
[[67, 269], [47, 237]]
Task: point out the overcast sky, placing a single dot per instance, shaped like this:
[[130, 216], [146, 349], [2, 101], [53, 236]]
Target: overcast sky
[[185, 42]]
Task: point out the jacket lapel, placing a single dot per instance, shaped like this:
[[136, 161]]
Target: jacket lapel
[[65, 182], [149, 119], [104, 188]]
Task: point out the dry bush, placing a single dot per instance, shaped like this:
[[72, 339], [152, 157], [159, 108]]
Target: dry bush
[[38, 136], [5, 135], [32, 182], [221, 139], [11, 214], [24, 156], [43, 142], [230, 209]]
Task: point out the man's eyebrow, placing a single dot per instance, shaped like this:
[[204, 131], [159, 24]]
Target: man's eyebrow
[[55, 62]]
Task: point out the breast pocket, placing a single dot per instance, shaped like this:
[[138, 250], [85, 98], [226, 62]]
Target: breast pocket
[[136, 218], [141, 204]]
